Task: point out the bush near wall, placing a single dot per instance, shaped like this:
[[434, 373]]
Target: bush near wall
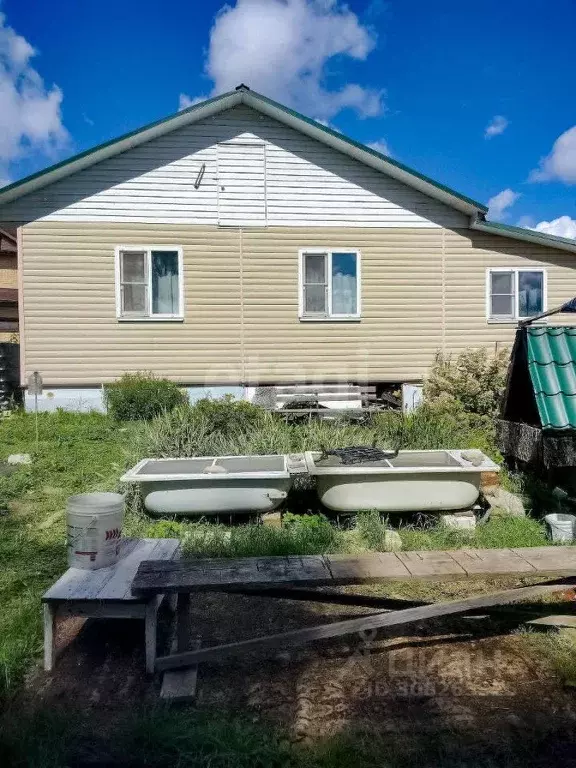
[[474, 381], [142, 396]]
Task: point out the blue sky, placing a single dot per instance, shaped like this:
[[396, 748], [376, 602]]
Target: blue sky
[[423, 79]]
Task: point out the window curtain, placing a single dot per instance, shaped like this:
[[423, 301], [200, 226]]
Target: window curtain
[[165, 283], [344, 284]]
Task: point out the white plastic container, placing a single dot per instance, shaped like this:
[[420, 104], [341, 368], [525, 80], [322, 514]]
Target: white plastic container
[[94, 529], [562, 526]]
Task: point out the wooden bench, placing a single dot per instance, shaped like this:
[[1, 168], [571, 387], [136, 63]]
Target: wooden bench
[[284, 576], [106, 593]]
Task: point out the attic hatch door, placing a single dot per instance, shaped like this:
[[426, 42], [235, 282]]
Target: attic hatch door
[[241, 184]]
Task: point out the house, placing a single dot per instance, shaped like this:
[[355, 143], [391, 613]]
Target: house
[[538, 416], [240, 244], [8, 286]]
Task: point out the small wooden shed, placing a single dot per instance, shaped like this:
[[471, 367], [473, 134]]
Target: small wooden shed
[[538, 416]]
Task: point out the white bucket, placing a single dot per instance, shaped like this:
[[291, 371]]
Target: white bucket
[[562, 526], [94, 529]]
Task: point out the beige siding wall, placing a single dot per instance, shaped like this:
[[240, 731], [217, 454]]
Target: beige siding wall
[[468, 254], [423, 290], [71, 332], [401, 271]]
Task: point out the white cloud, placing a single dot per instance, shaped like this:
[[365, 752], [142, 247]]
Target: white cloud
[[526, 221], [186, 101], [380, 146], [282, 47], [30, 115], [498, 205], [560, 164], [496, 126], [563, 226]]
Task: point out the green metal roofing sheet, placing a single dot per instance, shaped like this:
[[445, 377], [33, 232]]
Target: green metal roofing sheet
[[552, 365]]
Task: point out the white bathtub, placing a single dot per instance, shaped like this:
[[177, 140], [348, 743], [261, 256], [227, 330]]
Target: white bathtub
[[209, 485], [414, 481]]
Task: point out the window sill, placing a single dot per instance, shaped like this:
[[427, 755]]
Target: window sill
[[350, 319], [150, 319]]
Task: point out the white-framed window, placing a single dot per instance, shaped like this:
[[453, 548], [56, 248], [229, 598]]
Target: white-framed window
[[329, 284], [514, 293], [149, 282]]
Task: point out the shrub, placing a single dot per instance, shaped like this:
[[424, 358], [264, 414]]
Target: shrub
[[141, 396], [436, 425], [226, 415], [475, 380]]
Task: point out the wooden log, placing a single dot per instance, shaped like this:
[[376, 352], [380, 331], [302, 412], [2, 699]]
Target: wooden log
[[362, 624]]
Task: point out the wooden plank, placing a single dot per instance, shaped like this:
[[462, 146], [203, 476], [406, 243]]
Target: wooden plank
[[77, 583], [110, 583], [364, 623], [431, 564], [119, 587], [124, 571], [366, 568], [179, 685], [492, 562], [213, 574], [49, 627], [316, 570], [553, 622], [549, 559], [94, 609]]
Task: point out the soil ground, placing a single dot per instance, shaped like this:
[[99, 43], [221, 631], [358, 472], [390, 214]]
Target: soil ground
[[468, 675]]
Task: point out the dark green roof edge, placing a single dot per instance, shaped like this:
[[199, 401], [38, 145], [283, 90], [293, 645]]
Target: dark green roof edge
[[374, 152], [522, 231], [109, 143], [336, 134]]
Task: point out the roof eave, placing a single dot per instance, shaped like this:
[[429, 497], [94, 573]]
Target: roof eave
[[527, 235]]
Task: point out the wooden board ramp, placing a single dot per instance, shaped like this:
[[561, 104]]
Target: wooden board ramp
[[553, 622], [352, 626], [277, 576]]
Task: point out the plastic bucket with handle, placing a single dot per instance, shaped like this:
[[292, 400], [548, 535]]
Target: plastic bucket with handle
[[562, 526], [94, 529]]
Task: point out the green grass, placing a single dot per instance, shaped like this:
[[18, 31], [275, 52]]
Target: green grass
[[169, 738], [304, 535], [79, 453], [499, 532], [558, 648], [74, 454]]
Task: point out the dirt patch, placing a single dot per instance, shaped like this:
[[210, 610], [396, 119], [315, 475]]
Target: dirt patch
[[468, 674]]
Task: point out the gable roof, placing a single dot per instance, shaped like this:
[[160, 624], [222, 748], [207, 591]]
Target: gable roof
[[243, 95], [338, 141]]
